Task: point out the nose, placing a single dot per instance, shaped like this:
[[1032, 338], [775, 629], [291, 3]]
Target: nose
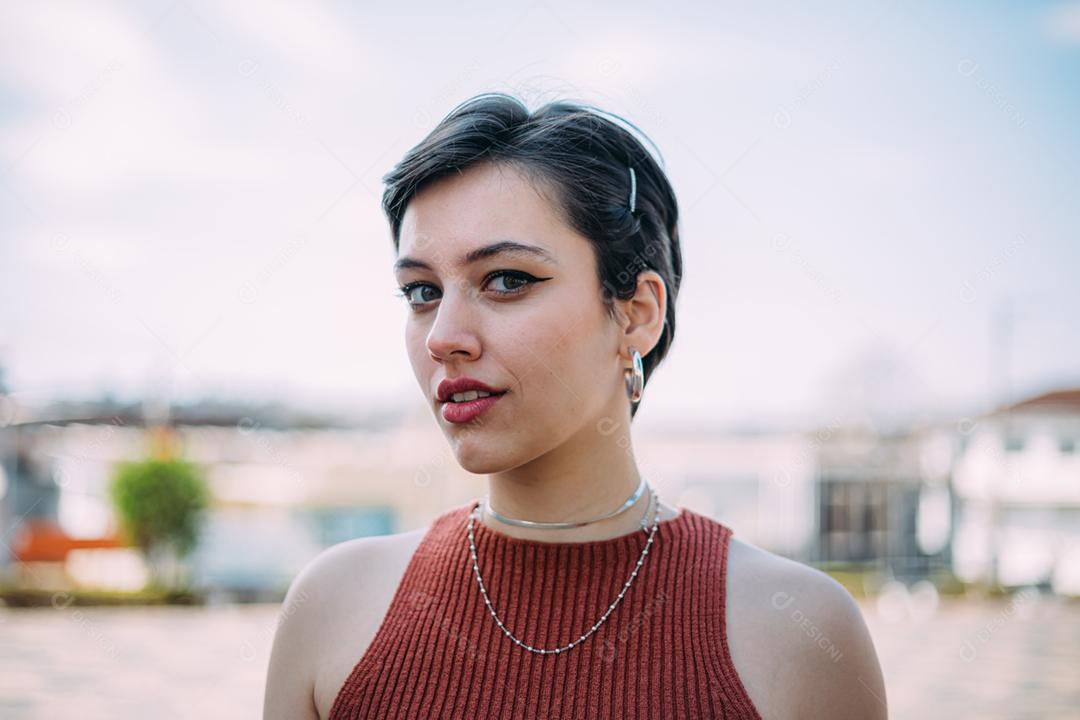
[[454, 329]]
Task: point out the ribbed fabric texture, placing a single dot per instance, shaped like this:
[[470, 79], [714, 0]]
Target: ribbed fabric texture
[[662, 653]]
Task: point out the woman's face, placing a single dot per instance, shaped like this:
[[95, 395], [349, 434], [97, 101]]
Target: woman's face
[[530, 323]]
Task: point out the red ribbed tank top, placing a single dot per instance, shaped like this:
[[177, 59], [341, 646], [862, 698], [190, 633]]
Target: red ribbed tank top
[[662, 653]]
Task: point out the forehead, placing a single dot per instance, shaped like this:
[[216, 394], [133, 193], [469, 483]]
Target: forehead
[[486, 203]]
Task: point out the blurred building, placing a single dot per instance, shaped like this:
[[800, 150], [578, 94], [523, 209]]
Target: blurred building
[[997, 497], [1017, 486], [282, 489], [883, 500]]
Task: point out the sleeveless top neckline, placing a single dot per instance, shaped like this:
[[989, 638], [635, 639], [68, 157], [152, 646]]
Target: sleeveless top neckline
[[632, 539], [662, 652]]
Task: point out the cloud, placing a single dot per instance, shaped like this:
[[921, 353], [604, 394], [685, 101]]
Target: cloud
[[51, 51], [1063, 23], [303, 32]]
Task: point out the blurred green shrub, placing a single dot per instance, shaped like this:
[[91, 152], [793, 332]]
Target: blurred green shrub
[[160, 504]]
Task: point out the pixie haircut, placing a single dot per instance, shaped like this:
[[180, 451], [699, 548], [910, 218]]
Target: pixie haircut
[[579, 160]]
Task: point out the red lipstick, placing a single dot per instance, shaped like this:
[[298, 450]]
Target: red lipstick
[[465, 410]]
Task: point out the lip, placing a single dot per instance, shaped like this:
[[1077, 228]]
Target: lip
[[450, 386], [464, 412]]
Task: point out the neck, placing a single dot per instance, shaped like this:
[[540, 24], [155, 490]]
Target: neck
[[589, 475]]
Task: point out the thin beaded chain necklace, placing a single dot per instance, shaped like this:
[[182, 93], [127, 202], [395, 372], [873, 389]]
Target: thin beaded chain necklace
[[598, 623]]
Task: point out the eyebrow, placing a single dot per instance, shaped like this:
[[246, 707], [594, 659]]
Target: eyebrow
[[503, 247]]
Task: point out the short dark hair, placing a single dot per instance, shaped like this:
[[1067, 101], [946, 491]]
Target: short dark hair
[[581, 158]]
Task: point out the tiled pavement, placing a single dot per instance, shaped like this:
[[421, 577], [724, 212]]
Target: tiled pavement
[[1013, 658], [968, 659]]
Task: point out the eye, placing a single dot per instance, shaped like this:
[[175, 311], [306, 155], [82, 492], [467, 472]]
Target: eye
[[519, 281], [514, 282], [405, 291]]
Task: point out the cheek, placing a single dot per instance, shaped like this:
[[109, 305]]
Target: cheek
[[527, 351], [559, 355], [414, 337], [416, 347]]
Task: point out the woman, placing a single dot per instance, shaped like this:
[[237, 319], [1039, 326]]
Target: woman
[[539, 256]]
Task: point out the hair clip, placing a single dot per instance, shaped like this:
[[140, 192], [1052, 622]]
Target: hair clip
[[633, 190]]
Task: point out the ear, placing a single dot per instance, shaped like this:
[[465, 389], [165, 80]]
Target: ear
[[642, 316]]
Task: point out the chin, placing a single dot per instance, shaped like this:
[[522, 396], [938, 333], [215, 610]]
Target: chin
[[480, 465], [480, 455]]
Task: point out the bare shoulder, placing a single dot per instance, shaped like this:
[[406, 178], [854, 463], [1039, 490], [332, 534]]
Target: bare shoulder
[[329, 615], [798, 640]]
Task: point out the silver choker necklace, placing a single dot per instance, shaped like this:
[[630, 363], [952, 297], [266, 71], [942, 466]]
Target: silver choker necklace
[[540, 525]]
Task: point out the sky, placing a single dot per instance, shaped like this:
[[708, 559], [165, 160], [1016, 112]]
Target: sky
[[879, 200]]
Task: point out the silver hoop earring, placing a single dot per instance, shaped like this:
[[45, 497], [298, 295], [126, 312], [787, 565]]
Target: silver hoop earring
[[635, 377]]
